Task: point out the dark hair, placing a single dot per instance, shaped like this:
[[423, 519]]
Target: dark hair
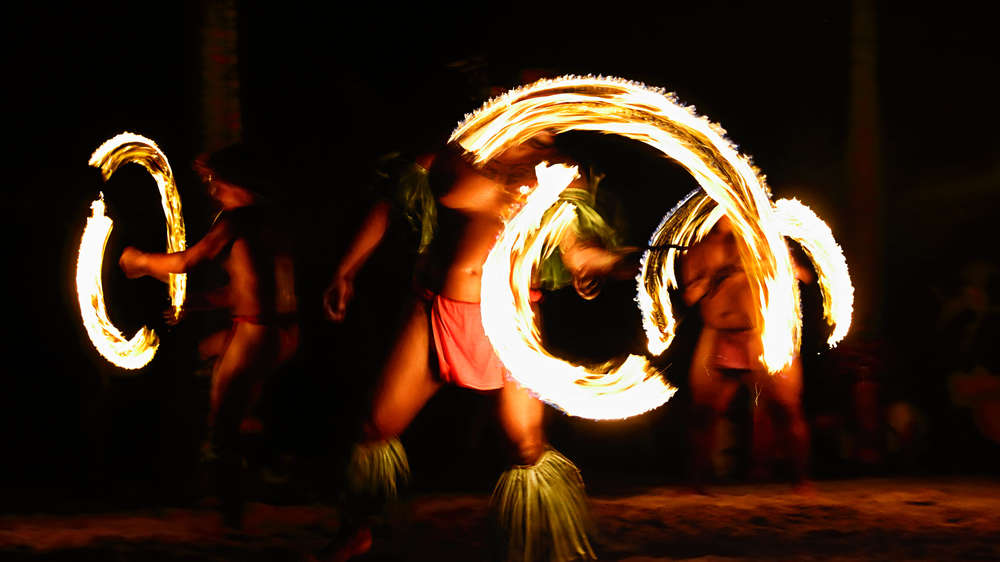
[[245, 166]]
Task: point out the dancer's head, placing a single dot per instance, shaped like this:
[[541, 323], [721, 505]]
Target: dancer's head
[[235, 175]]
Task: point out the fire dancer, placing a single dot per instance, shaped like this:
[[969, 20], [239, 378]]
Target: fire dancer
[[462, 208], [260, 297], [727, 354]]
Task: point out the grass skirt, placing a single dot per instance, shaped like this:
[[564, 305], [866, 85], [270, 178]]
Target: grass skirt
[[378, 471], [541, 511]]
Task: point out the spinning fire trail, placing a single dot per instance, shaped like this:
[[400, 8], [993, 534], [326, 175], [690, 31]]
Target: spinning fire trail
[[136, 352], [730, 186]]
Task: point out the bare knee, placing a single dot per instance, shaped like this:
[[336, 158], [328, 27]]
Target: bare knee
[[529, 450], [524, 433], [380, 428], [521, 416]]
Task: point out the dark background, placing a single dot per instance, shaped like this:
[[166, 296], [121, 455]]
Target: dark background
[[329, 91]]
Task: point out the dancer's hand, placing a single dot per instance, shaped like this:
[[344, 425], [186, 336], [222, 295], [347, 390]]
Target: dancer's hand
[[588, 287], [591, 266], [131, 262], [336, 297], [171, 317]]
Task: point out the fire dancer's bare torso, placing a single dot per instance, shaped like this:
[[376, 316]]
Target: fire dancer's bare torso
[[471, 214], [261, 278]]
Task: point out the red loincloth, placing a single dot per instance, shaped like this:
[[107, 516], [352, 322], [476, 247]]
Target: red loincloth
[[465, 356]]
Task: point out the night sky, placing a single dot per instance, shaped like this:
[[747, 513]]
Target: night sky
[[329, 91]]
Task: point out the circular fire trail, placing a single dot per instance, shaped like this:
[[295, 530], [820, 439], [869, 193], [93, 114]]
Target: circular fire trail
[[136, 352], [730, 186]]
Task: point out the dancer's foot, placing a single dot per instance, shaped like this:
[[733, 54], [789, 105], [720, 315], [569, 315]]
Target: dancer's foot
[[697, 484], [805, 488], [698, 490], [345, 548], [760, 473]]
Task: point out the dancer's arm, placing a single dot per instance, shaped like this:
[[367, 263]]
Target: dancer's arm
[[341, 288], [591, 263], [136, 263]]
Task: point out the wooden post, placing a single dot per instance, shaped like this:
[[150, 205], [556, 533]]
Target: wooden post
[[222, 116], [866, 200]]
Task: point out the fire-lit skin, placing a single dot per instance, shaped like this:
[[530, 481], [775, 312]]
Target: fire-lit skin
[[471, 215], [728, 353], [496, 132], [472, 211], [255, 346]]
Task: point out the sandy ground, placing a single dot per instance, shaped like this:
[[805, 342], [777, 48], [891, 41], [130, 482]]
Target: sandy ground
[[863, 519]]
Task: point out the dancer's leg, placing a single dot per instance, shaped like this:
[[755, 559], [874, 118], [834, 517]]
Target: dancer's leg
[[406, 382], [378, 467], [711, 393], [521, 416], [782, 396], [246, 359], [540, 506]]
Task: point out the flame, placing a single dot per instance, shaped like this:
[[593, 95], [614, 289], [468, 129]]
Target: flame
[[694, 217], [607, 392], [137, 352], [128, 354], [689, 221], [802, 225], [731, 186]]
